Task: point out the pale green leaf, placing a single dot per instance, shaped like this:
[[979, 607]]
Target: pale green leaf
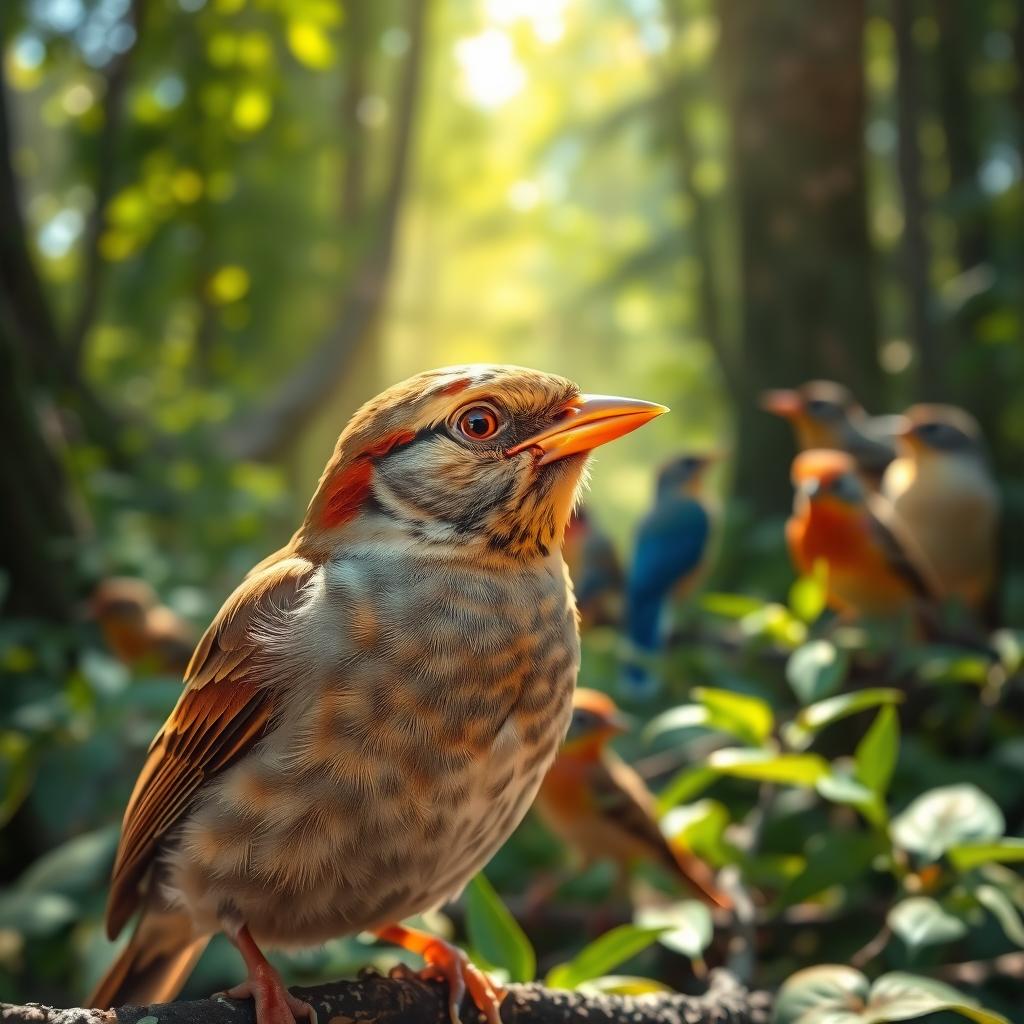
[[921, 921], [495, 934]]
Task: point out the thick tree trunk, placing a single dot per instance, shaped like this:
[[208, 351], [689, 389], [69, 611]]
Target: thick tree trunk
[[406, 999], [795, 92]]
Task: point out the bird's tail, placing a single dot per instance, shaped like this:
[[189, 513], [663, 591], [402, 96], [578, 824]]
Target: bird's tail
[[698, 876], [154, 965]]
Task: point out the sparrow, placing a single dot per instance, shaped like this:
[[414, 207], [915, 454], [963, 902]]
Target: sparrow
[[824, 414], [371, 712], [137, 629], [595, 571], [873, 567], [670, 557], [942, 489], [602, 810]]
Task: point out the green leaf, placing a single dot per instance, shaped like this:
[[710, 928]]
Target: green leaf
[[922, 921], [688, 923], [769, 766], [603, 955], [832, 858], [684, 786], [730, 606], [623, 985], [685, 716], [876, 754], [495, 934], [1003, 910], [971, 855], [15, 772], [843, 789], [946, 817], [816, 670], [816, 716], [836, 994], [700, 826], [749, 718], [76, 867], [808, 596], [35, 914]]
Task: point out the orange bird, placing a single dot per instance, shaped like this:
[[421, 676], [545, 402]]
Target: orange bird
[[825, 414], [601, 808], [138, 630], [943, 491], [595, 570], [371, 712], [873, 569]]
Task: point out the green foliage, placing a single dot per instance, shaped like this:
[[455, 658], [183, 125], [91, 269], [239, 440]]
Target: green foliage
[[496, 938], [603, 955]]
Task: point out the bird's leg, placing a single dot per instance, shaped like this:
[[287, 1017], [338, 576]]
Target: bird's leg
[[450, 964], [274, 1003]]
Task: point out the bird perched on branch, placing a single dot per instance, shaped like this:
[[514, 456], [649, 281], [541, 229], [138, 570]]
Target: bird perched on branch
[[824, 414], [942, 489], [873, 568], [137, 629], [372, 710], [669, 559], [595, 570], [601, 808]]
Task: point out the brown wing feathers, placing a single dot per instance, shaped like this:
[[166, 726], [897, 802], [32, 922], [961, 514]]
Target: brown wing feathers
[[226, 707]]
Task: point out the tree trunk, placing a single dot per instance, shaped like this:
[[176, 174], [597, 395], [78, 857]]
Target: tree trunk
[[795, 92]]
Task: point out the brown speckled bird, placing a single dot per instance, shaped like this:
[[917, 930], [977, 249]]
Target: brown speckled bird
[[371, 712], [942, 489], [601, 808], [138, 630]]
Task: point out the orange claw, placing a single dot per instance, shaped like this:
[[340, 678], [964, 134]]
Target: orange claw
[[449, 963]]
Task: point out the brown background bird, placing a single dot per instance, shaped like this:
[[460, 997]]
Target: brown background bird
[[371, 712], [138, 630], [601, 808], [943, 490]]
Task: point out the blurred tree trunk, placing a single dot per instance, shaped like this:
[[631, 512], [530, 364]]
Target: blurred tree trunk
[[35, 542], [794, 86], [929, 363]]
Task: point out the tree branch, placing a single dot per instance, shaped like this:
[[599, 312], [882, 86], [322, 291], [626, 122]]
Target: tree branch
[[116, 81], [267, 431], [404, 998]]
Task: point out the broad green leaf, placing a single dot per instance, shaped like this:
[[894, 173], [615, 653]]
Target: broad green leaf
[[603, 955], [843, 789], [495, 934], [1003, 910], [1003, 851], [700, 825], [836, 994], [688, 923], [921, 921], [774, 622], [825, 712], [623, 985], [946, 817], [749, 718], [35, 914], [816, 670], [686, 716], [876, 754], [809, 594], [730, 606], [768, 766], [684, 787], [76, 867], [832, 858]]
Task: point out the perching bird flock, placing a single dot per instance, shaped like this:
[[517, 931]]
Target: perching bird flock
[[375, 707]]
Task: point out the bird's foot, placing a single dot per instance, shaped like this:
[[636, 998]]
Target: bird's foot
[[446, 962]]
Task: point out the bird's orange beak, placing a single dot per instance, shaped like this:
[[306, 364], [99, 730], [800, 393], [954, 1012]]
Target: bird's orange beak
[[785, 403], [592, 420]]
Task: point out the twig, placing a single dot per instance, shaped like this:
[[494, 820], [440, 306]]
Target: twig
[[404, 998]]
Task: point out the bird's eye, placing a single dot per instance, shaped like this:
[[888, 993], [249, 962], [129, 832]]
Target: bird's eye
[[479, 423]]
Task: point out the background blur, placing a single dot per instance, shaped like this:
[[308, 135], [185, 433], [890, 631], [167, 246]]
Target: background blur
[[226, 223]]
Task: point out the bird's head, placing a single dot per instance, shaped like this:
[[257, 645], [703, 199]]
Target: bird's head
[[596, 719], [827, 479], [121, 601], [936, 430], [819, 410], [685, 473], [482, 456]]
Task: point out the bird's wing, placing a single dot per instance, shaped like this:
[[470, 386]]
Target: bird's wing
[[624, 800], [901, 552], [228, 701], [670, 545]]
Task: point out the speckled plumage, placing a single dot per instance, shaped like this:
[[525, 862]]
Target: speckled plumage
[[371, 712]]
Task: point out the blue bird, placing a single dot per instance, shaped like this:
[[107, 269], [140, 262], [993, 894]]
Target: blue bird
[[672, 545]]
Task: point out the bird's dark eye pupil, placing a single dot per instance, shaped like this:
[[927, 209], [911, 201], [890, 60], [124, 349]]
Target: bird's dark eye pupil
[[478, 424]]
